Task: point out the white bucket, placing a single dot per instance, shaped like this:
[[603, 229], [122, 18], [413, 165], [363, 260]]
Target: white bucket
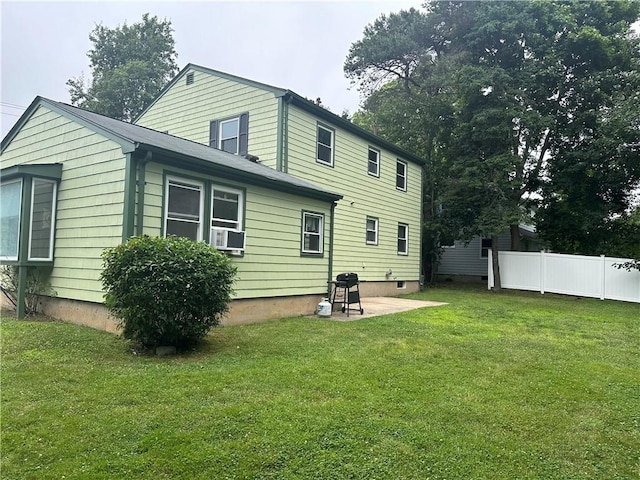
[[324, 308]]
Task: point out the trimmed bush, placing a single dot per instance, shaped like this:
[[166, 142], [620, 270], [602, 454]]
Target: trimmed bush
[[166, 291]]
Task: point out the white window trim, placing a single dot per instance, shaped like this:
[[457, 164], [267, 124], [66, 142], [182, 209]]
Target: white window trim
[[377, 152], [237, 137], [406, 239], [406, 174], [6, 257], [53, 217], [183, 182], [320, 234], [234, 191], [376, 230], [331, 147]]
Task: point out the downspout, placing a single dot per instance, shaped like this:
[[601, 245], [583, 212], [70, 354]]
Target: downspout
[[279, 134], [129, 209], [141, 186], [286, 100], [330, 269]]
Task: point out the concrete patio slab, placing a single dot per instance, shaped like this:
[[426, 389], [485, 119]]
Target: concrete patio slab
[[375, 306]]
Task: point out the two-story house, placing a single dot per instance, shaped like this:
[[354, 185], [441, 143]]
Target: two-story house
[[323, 196], [377, 223]]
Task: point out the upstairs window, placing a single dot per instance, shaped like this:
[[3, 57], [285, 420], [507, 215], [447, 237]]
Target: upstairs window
[[401, 175], [372, 231], [373, 166], [312, 233], [230, 135], [403, 239], [183, 216], [325, 141]]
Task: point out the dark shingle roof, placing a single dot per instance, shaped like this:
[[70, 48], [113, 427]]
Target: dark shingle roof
[[133, 137]]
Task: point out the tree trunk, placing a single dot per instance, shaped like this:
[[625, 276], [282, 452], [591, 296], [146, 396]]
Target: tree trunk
[[515, 238], [497, 286]]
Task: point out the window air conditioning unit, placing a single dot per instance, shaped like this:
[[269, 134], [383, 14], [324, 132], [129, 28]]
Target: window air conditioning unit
[[224, 239]]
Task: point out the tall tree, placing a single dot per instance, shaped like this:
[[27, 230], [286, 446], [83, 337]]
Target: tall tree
[[129, 66], [523, 77]]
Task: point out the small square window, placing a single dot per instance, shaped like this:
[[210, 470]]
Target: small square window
[[403, 239], [325, 145], [373, 165], [372, 231], [401, 175]]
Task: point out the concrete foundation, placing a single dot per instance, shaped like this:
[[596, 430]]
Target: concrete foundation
[[243, 311]]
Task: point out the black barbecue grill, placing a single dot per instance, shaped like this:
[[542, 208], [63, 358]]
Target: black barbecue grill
[[347, 292]]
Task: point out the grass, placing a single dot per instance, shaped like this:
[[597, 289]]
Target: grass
[[506, 386]]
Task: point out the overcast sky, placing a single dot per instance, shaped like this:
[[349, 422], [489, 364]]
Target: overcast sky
[[299, 45]]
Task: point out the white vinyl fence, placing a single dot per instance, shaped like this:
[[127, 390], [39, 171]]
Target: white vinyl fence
[[568, 274]]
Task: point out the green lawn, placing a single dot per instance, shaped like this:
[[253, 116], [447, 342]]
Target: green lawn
[[509, 386]]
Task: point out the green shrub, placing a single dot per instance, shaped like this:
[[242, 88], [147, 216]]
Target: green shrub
[[166, 291], [37, 284]]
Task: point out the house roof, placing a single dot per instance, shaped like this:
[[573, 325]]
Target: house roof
[[136, 138], [301, 102]]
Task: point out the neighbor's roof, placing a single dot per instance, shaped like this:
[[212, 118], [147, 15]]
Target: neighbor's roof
[[135, 137], [301, 102]]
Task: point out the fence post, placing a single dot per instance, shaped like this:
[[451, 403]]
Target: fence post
[[542, 272], [602, 276], [490, 270]]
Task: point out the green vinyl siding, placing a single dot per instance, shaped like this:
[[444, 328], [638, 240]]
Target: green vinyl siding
[[90, 196], [187, 110], [271, 265], [364, 196]]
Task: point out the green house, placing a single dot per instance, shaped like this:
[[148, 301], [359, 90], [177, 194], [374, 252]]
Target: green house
[[293, 193], [378, 221]]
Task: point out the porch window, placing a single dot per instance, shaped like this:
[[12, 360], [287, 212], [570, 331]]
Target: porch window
[[10, 201], [43, 195]]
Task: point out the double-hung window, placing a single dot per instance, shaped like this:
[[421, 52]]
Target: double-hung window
[[227, 207], [325, 145], [401, 175], [372, 231], [403, 239], [373, 166], [312, 233], [184, 209], [230, 134]]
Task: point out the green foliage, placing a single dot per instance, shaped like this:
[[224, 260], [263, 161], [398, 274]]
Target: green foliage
[[166, 291], [514, 98], [37, 284], [520, 386], [129, 66]]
